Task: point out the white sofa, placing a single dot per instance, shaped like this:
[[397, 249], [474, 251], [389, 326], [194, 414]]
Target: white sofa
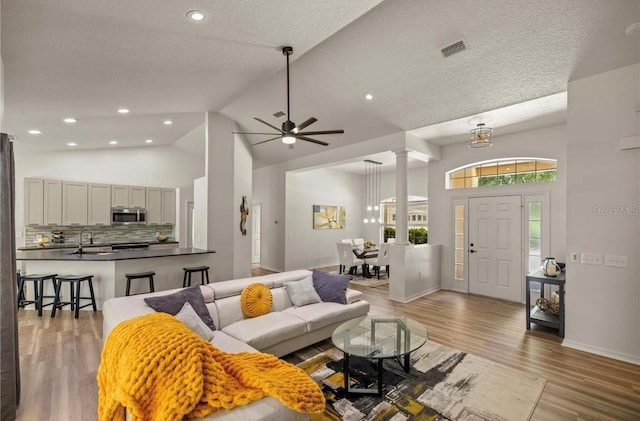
[[284, 330]]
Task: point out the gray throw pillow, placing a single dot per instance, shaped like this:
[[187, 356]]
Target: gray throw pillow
[[189, 317], [302, 292], [331, 287], [173, 303]]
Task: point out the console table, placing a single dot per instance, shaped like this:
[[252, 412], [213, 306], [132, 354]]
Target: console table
[[536, 314]]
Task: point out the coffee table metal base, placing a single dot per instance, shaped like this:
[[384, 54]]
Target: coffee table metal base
[[406, 366]]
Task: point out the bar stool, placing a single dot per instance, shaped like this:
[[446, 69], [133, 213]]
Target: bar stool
[[38, 291], [204, 272], [141, 275], [73, 280]]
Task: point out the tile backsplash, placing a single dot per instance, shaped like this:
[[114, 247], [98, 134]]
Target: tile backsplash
[[101, 233]]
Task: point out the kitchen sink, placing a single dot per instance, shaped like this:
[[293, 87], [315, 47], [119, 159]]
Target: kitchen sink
[[94, 253]]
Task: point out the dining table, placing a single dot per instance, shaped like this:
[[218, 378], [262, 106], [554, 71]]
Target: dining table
[[364, 254]]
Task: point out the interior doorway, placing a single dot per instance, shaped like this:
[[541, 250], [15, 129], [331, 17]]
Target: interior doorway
[[495, 247], [256, 211]]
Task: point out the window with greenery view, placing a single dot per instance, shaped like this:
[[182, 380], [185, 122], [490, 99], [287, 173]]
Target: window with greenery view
[[501, 172], [417, 218]]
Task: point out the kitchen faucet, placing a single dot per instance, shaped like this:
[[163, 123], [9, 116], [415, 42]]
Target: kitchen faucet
[[80, 241]]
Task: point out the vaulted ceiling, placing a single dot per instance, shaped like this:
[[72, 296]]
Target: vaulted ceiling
[[86, 59]]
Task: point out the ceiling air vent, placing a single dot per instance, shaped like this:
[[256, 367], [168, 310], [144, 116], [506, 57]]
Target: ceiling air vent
[[279, 114], [454, 48]]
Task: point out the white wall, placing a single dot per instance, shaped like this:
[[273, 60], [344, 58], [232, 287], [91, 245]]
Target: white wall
[[156, 166], [309, 248], [603, 303], [549, 142]]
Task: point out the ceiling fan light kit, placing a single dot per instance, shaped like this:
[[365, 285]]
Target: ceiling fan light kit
[[480, 137], [290, 132]]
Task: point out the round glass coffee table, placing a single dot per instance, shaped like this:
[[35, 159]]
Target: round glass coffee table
[[378, 337]]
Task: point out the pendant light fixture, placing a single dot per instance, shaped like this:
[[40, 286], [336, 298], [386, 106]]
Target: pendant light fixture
[[372, 192], [480, 137]]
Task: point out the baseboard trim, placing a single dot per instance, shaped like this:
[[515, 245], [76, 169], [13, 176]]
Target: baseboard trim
[[633, 359], [414, 297]]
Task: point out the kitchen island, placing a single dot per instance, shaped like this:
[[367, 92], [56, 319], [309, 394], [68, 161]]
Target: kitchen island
[[109, 267]]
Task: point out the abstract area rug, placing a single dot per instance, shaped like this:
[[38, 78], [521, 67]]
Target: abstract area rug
[[370, 282], [443, 384]]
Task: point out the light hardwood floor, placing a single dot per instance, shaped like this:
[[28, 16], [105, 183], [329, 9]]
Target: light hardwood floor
[[59, 357]]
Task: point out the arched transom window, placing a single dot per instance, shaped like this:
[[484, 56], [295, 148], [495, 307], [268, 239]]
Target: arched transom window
[[502, 171]]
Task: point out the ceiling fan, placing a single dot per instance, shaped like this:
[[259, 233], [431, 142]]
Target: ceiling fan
[[291, 132]]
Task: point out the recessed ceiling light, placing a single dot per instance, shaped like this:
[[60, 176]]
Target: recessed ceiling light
[[368, 97], [148, 141], [123, 111], [196, 15], [168, 122], [113, 142], [34, 131], [72, 144], [70, 120]]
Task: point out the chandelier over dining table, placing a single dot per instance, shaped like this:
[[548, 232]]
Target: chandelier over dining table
[[372, 192]]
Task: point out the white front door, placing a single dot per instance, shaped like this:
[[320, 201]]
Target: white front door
[[495, 255], [255, 233]]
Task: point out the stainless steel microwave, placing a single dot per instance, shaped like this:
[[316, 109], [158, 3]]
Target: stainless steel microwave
[[128, 216]]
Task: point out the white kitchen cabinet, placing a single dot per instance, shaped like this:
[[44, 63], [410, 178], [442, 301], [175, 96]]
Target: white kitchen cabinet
[[52, 202], [98, 204], [154, 205], [137, 197], [169, 206], [33, 201], [74, 203], [128, 196], [119, 196]]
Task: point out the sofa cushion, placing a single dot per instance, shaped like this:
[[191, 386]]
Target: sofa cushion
[[319, 315], [331, 287], [173, 303], [228, 343], [256, 300], [190, 318], [302, 292], [264, 331]]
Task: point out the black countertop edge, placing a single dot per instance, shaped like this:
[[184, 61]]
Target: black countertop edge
[[58, 246], [61, 255]]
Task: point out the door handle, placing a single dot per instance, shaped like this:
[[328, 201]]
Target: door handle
[[472, 251]]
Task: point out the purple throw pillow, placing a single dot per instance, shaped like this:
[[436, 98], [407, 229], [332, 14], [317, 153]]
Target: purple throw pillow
[[331, 287], [173, 303]]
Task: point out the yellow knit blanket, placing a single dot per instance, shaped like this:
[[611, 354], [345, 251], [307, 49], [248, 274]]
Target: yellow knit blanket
[[158, 369]]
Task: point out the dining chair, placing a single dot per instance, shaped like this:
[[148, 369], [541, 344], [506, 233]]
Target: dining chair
[[358, 243], [381, 260], [347, 259]]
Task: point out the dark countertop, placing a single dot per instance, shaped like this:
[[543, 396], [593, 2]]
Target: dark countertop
[[57, 246], [65, 255]]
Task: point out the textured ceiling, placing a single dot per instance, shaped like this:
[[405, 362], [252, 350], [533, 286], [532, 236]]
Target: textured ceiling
[[87, 59]]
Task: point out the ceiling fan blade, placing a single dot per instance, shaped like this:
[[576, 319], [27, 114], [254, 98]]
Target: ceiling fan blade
[[253, 133], [270, 125], [308, 139], [304, 124], [268, 140], [322, 132]]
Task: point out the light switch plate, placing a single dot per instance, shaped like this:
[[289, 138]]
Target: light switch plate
[[591, 258], [615, 261]]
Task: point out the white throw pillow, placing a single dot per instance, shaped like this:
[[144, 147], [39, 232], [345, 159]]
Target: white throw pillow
[[189, 317], [302, 292]]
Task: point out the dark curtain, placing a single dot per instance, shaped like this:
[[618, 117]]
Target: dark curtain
[[9, 356]]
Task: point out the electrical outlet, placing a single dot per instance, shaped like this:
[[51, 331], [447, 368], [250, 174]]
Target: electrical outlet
[[591, 258], [615, 261]]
